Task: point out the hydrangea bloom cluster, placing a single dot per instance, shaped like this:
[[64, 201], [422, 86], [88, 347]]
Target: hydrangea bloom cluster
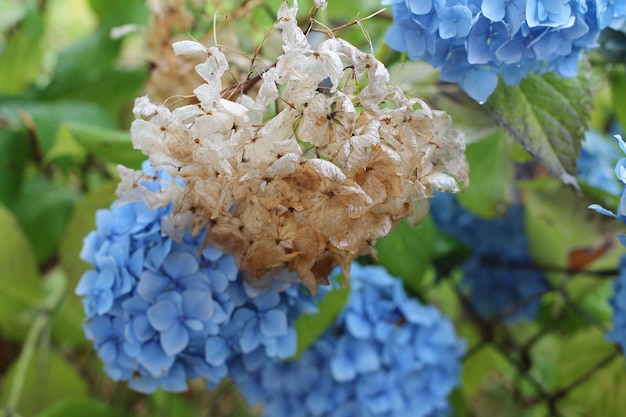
[[472, 41], [303, 177], [499, 276], [385, 355], [598, 155], [160, 312]]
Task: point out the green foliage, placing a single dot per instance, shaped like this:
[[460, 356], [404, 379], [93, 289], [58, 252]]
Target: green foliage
[[80, 224], [618, 86], [19, 278], [113, 145], [21, 57], [491, 176], [50, 378], [79, 408], [14, 153], [548, 115], [40, 201], [558, 223], [407, 251]]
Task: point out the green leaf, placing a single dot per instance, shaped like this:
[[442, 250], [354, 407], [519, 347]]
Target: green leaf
[[310, 327], [21, 57], [19, 278], [43, 210], [83, 63], [83, 66], [67, 320], [548, 115], [618, 86], [50, 378], [603, 394], [78, 408], [82, 221], [491, 176], [113, 13], [47, 117], [14, 153], [115, 91], [114, 145], [407, 251], [558, 222]]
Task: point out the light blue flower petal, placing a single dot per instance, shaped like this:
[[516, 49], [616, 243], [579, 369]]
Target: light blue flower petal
[[216, 351], [174, 339], [163, 315], [273, 323]]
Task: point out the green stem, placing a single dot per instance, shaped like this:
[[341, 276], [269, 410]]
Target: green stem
[[36, 330]]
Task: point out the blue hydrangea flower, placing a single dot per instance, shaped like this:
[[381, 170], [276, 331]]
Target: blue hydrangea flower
[[385, 355], [484, 38], [160, 312], [499, 277]]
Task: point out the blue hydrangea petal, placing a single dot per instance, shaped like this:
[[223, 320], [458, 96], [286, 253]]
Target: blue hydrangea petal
[[163, 315], [273, 323], [151, 285], [179, 264], [174, 339], [216, 351], [358, 326], [197, 304], [154, 359]]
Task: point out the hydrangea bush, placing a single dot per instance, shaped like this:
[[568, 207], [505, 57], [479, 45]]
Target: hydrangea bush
[[386, 354], [280, 154], [499, 277], [471, 42]]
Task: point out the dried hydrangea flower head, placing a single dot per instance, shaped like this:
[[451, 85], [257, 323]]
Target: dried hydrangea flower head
[[307, 175]]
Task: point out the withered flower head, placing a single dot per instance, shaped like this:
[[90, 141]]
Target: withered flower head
[[340, 160]]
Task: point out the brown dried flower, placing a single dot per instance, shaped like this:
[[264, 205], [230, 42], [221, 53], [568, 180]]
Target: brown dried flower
[[345, 160]]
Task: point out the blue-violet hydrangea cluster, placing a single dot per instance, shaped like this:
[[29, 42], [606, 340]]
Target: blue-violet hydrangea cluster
[[385, 355], [160, 312], [499, 276], [472, 41]]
